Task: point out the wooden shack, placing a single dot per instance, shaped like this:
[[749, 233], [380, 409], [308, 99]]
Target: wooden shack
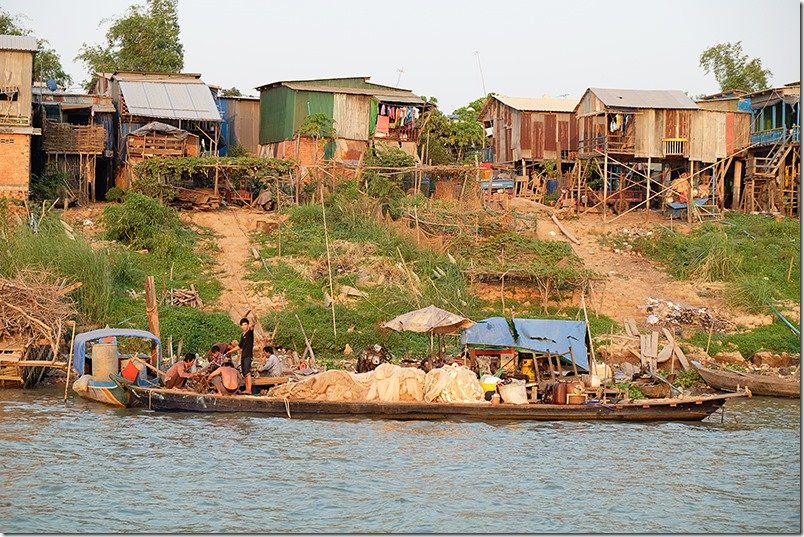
[[531, 130], [77, 137], [629, 133], [362, 114], [16, 128], [181, 100]]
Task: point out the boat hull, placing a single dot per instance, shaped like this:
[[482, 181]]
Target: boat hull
[[109, 393], [665, 410], [732, 381]]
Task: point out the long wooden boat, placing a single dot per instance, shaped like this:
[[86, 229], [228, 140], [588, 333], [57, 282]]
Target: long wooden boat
[[731, 381], [161, 399]]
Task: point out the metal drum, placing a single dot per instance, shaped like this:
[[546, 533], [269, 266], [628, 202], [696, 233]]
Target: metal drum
[[105, 360]]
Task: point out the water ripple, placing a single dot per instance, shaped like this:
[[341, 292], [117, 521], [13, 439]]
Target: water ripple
[[83, 467]]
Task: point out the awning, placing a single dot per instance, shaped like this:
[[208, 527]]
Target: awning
[[773, 99], [81, 340], [491, 332]]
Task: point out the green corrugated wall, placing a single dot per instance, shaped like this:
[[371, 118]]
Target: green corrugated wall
[[276, 115], [282, 111]]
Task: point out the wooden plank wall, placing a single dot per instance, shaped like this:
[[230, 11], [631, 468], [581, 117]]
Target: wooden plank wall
[[351, 115], [16, 69]]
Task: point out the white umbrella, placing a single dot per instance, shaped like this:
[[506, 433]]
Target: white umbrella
[[430, 319]]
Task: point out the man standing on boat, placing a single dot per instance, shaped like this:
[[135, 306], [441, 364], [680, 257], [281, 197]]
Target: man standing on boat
[[246, 348], [177, 375]]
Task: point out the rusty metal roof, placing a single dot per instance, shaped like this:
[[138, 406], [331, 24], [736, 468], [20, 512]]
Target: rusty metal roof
[[186, 99], [538, 104], [18, 42], [630, 98]]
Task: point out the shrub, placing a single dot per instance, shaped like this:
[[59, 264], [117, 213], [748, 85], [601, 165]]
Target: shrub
[[237, 150], [142, 222], [46, 186], [115, 194], [688, 378]]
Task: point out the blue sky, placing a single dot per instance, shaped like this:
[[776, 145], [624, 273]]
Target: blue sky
[[526, 48]]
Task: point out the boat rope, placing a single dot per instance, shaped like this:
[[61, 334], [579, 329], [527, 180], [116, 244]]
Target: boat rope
[[287, 406]]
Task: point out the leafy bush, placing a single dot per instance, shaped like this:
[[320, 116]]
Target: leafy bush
[[142, 222], [237, 150], [688, 378], [115, 194], [46, 185]]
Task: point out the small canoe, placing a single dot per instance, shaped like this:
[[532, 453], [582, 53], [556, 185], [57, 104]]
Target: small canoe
[[102, 391], [690, 409], [731, 381]]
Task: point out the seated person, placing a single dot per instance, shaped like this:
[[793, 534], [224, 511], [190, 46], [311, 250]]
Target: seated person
[[226, 379], [272, 366], [177, 375]]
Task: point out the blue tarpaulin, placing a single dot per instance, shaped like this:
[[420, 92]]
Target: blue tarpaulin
[[554, 335], [541, 335], [491, 332], [81, 340]]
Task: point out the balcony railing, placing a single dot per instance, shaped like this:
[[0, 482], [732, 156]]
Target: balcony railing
[[779, 134], [613, 143], [674, 146]]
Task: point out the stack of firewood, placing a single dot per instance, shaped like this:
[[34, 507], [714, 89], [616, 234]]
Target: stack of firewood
[[34, 308], [184, 297]]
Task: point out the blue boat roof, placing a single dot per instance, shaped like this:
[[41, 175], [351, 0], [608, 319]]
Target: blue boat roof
[[81, 340], [556, 336]]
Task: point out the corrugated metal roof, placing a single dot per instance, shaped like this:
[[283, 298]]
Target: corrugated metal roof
[[17, 42], [172, 100], [538, 104], [630, 98]]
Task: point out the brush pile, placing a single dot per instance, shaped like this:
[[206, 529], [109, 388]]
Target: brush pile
[[34, 308]]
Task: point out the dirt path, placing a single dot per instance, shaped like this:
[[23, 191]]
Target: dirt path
[[232, 227], [631, 279]]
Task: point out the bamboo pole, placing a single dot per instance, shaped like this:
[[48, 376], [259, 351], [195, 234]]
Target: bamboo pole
[[605, 182], [152, 313], [69, 363], [329, 267]]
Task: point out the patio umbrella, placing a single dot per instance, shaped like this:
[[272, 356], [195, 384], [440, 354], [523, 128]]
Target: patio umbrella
[[430, 319]]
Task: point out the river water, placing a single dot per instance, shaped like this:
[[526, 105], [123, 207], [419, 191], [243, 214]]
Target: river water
[[84, 467]]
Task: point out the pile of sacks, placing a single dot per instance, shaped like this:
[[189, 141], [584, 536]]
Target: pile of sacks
[[387, 383]]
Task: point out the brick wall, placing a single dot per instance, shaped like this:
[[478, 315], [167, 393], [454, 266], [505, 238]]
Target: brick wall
[[15, 165]]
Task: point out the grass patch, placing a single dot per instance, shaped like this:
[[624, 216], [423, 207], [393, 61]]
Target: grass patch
[[774, 337], [757, 256]]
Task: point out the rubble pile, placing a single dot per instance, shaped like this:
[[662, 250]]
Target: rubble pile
[[667, 312]]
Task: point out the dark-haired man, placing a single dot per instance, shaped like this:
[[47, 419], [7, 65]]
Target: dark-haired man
[[226, 379], [246, 348], [272, 366], [177, 375]]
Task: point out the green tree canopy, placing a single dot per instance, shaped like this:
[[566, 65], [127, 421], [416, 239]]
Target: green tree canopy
[[47, 63], [231, 92], [144, 39], [733, 69], [445, 140]]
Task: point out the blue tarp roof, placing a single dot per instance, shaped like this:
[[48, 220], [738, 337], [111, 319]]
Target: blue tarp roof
[[81, 340], [541, 335], [554, 335], [491, 332]]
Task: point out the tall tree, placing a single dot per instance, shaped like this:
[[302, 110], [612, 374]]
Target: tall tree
[[231, 92], [47, 63], [733, 68], [145, 38]]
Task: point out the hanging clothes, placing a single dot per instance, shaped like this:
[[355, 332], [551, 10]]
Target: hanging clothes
[[382, 125]]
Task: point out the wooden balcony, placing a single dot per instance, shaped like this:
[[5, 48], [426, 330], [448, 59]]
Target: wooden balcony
[[613, 143]]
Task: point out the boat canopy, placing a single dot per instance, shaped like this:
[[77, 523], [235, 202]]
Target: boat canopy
[[81, 340], [540, 335]]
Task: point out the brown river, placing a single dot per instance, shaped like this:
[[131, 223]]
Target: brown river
[[84, 467]]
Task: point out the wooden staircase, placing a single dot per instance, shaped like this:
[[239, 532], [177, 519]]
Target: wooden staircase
[[766, 184]]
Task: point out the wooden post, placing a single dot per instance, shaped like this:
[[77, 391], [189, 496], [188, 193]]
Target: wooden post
[[647, 197], [329, 266], [605, 182], [690, 198], [69, 363], [152, 313], [738, 180]]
